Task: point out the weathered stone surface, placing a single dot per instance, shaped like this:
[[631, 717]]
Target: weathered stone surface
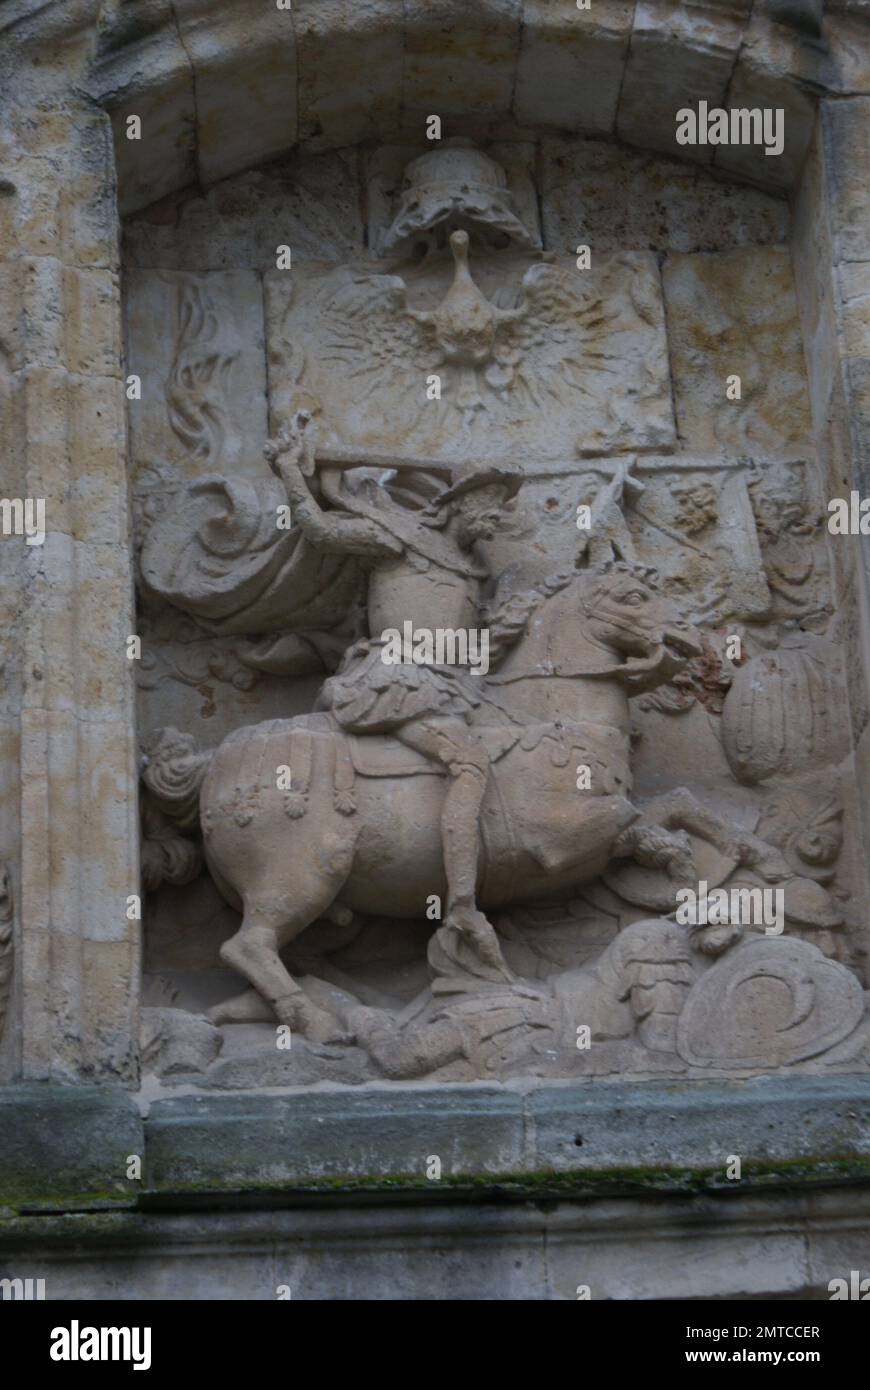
[[854, 285], [174, 1040], [679, 55], [609, 198], [151, 80], [767, 1245], [331, 35], [460, 59], [813, 256], [73, 871], [694, 647], [846, 126], [571, 64], [296, 1139], [66, 1147], [774, 68], [698, 1126], [309, 204], [733, 314], [243, 64]]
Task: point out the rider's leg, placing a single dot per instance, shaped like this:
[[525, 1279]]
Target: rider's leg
[[467, 763]]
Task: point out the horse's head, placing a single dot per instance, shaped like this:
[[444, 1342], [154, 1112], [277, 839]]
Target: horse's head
[[625, 614]]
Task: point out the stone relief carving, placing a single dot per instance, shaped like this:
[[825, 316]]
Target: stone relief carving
[[781, 713], [449, 868], [515, 335]]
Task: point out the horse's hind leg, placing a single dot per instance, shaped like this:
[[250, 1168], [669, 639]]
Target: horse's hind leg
[[250, 1006], [267, 926]]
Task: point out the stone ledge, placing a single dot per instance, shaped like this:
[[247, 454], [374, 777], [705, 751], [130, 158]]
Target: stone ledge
[[634, 1137], [700, 1247], [766, 1121], [67, 1147], [232, 1141]]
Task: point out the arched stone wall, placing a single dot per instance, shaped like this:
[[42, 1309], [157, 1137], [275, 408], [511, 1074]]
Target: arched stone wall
[[223, 87], [228, 86]]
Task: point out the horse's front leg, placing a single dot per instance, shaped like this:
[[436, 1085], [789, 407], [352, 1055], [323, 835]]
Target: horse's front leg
[[656, 846], [681, 811]]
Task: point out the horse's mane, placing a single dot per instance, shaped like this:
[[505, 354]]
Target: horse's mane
[[509, 620]]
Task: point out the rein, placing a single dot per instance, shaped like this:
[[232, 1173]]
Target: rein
[[547, 668]]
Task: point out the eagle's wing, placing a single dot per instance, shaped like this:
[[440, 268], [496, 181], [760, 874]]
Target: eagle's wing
[[552, 341], [372, 328]]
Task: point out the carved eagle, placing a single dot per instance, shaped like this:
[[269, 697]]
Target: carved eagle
[[548, 339]]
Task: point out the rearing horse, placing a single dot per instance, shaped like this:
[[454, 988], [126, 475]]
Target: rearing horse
[[359, 831]]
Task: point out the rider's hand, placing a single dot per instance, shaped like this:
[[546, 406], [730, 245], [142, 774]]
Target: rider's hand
[[292, 448]]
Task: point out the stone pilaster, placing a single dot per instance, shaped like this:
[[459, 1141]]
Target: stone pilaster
[[832, 272], [70, 806]]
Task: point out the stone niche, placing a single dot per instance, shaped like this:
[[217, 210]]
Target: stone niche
[[292, 374], [602, 385]]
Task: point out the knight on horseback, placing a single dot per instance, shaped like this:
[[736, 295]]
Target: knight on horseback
[[425, 569]]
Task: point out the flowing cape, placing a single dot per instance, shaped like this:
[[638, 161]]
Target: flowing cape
[[219, 556]]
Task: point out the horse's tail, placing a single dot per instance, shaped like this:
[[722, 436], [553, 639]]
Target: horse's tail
[[172, 776]]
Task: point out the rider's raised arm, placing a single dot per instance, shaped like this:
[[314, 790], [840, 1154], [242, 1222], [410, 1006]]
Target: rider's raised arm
[[329, 530]]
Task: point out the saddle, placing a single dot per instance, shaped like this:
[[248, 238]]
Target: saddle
[[380, 755]]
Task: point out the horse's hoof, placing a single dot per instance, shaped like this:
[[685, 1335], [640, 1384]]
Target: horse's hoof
[[316, 1024], [249, 1007]]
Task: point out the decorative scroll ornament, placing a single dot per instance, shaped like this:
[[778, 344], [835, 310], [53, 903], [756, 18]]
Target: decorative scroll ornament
[[198, 377]]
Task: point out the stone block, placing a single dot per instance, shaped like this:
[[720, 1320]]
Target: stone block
[[857, 380], [244, 70], [775, 68], [854, 284], [696, 1254], [142, 69], [571, 64], [846, 127], [66, 1146], [311, 204], [98, 494], [735, 314], [639, 1130], [300, 1139], [350, 70], [460, 60], [92, 322], [614, 198], [679, 55], [85, 617], [814, 284]]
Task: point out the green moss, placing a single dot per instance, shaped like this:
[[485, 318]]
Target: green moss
[[542, 1184], [539, 1185], [25, 1202]]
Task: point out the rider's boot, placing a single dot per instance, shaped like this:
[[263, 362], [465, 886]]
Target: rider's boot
[[460, 834]]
